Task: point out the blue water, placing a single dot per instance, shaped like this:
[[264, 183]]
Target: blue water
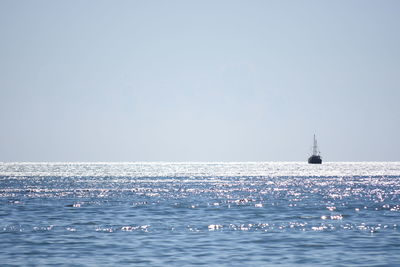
[[110, 214]]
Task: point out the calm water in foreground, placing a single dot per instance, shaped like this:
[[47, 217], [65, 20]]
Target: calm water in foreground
[[231, 214]]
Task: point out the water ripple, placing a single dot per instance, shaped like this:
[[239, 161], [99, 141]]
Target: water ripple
[[200, 213]]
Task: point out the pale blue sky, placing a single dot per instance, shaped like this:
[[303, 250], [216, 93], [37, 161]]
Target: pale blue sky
[[199, 80]]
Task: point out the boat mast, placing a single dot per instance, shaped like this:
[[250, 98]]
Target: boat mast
[[315, 147]]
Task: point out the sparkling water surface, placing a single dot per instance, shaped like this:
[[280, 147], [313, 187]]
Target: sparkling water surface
[[281, 213]]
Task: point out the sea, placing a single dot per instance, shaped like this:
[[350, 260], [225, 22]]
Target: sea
[[200, 213]]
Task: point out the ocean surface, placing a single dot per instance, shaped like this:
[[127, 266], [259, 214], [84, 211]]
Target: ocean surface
[[229, 214]]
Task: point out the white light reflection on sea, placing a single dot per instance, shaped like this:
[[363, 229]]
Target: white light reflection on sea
[[139, 207]]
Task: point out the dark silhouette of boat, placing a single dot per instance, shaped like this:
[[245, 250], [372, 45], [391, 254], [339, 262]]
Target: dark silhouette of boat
[[315, 158]]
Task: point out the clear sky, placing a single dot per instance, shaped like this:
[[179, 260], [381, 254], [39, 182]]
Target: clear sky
[[199, 80]]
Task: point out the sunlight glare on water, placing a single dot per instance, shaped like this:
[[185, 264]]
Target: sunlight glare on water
[[213, 213]]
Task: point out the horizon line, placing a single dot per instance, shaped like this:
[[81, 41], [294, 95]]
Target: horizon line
[[178, 162]]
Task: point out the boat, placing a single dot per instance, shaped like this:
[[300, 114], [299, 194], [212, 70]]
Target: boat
[[315, 158]]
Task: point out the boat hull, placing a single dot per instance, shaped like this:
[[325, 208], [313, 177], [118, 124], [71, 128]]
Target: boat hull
[[315, 160]]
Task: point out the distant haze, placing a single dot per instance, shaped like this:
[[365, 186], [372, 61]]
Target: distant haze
[[199, 80]]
